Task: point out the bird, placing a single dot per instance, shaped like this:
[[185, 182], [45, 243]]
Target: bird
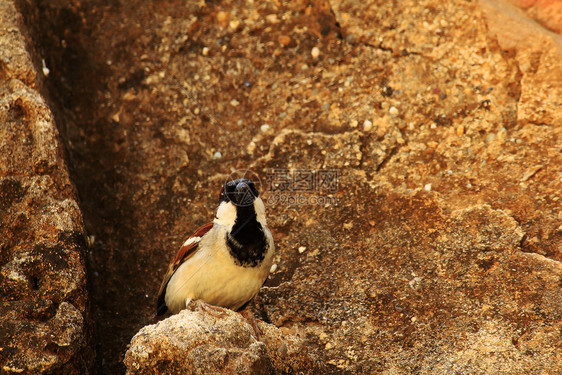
[[223, 263]]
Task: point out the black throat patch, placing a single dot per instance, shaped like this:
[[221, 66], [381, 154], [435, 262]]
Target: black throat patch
[[246, 242]]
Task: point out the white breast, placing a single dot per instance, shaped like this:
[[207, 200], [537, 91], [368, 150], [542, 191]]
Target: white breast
[[212, 275]]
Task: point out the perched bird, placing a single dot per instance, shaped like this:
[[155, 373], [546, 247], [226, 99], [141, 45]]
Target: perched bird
[[224, 263]]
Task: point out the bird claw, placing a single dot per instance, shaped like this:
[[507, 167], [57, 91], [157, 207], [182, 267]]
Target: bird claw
[[202, 306], [251, 319], [219, 312]]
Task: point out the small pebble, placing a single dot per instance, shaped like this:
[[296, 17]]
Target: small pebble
[[222, 16], [393, 111], [217, 155], [234, 103], [265, 128], [272, 18], [367, 125], [284, 40], [354, 123], [251, 147], [302, 249], [315, 52], [205, 51], [273, 268], [427, 187]]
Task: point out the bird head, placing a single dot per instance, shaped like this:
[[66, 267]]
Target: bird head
[[239, 197], [241, 192]]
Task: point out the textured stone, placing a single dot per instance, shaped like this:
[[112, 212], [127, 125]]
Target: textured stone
[[546, 12], [201, 343], [439, 249], [43, 296], [537, 53]]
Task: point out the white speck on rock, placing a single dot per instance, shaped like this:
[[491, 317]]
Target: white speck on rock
[[315, 52], [46, 70], [367, 125]]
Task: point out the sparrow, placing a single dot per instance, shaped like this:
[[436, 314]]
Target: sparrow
[[226, 262]]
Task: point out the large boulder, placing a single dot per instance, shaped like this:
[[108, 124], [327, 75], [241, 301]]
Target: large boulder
[[408, 151], [43, 294]]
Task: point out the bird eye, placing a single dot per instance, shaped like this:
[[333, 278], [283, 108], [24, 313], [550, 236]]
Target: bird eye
[[230, 187], [226, 191]]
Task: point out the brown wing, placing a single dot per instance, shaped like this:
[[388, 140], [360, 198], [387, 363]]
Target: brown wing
[[184, 253]]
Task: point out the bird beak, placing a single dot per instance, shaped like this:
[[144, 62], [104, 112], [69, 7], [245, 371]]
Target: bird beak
[[243, 195]]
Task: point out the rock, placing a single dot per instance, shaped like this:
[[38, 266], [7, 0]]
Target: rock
[[538, 53], [196, 342], [460, 278], [337, 151], [14, 56], [43, 294], [419, 292], [546, 12]]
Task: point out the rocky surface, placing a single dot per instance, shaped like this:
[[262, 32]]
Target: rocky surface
[[546, 12], [43, 296], [219, 342], [432, 241]]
